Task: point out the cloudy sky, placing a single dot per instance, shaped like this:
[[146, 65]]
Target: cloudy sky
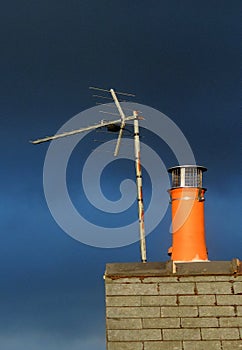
[[180, 58]]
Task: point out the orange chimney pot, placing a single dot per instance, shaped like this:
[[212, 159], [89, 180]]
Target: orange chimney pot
[[187, 206]]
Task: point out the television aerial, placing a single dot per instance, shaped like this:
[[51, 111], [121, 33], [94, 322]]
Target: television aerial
[[114, 126]]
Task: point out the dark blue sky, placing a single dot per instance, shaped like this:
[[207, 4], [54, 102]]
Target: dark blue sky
[[180, 57]]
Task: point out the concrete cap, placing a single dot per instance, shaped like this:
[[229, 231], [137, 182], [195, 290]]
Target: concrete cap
[[156, 269]]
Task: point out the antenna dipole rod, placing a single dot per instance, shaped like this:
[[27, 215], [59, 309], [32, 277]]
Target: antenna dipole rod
[[122, 115], [139, 188], [116, 101], [122, 125]]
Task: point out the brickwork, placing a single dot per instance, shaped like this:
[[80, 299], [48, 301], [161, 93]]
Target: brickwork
[[148, 311]]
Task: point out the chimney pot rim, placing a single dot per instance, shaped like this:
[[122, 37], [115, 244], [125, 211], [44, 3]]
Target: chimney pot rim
[[187, 166]]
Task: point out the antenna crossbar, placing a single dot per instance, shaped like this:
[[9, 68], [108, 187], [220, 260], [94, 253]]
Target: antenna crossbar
[[117, 92], [105, 112], [100, 96]]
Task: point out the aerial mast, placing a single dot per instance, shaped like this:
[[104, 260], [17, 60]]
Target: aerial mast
[[138, 169]]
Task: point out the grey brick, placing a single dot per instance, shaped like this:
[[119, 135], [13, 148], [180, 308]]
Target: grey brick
[[132, 312], [179, 311], [125, 346], [163, 345], [199, 322], [239, 310], [232, 344], [132, 289], [176, 288], [214, 288], [123, 280], [134, 335], [220, 333], [197, 279], [158, 300], [161, 322], [229, 278], [229, 299], [237, 287], [124, 323], [197, 300], [160, 279], [217, 311], [202, 345], [230, 322], [123, 301], [181, 334]]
